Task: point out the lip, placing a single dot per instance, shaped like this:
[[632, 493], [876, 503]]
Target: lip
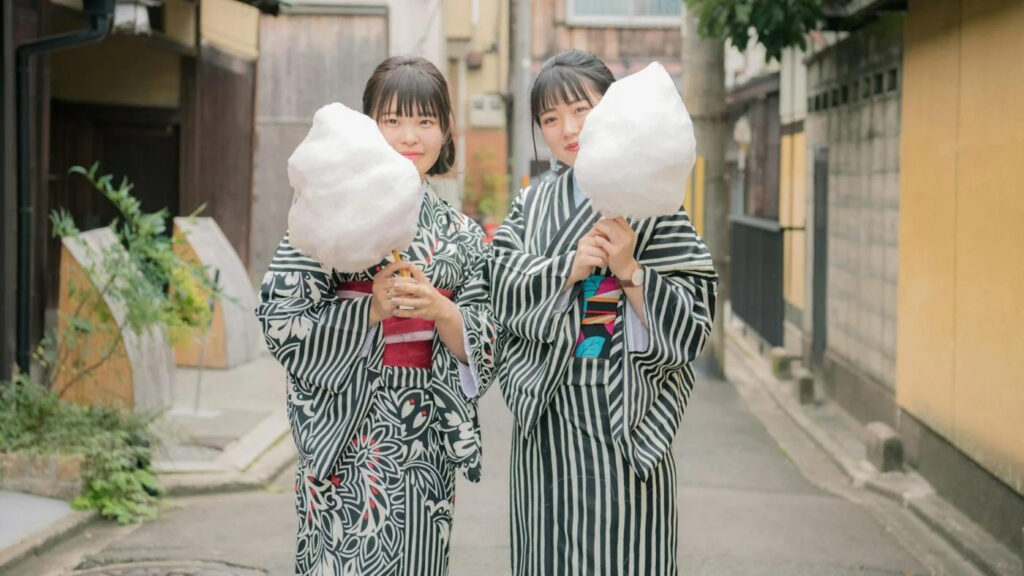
[[412, 155], [574, 147]]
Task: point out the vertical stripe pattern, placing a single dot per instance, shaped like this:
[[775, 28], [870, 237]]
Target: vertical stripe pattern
[[577, 507], [592, 473]]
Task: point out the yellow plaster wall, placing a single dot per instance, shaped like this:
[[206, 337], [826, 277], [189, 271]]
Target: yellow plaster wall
[[792, 213], [960, 344]]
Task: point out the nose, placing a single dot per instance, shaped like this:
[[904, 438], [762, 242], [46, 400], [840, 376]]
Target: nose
[[572, 127], [408, 135]]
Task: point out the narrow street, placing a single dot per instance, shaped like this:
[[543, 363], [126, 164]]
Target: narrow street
[[756, 498]]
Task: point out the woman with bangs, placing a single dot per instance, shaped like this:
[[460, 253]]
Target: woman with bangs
[[385, 414], [600, 320]]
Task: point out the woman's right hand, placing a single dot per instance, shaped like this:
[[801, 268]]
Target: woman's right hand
[[589, 255], [381, 307]]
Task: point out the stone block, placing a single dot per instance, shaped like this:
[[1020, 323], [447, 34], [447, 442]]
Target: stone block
[[50, 476], [804, 388], [783, 361], [11, 466], [69, 467], [884, 447], [41, 467]]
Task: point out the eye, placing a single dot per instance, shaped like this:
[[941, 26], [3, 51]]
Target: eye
[[581, 109], [427, 122], [392, 121], [547, 121]]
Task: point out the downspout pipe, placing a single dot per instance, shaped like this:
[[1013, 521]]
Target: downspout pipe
[[100, 16]]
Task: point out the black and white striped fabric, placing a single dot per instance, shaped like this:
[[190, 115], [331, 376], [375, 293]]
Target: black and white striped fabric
[[379, 445], [592, 473]]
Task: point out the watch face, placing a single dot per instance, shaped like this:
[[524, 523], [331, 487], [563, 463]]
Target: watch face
[[638, 276]]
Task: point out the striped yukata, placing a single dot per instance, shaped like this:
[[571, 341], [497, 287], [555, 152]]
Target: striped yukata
[[382, 417], [593, 478]]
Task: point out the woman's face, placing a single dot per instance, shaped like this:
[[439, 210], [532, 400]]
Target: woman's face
[[417, 137], [561, 126]]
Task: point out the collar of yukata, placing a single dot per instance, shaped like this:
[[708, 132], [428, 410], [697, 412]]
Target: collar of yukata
[[424, 186], [577, 194]]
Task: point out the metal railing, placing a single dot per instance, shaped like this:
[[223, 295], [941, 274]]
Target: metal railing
[[756, 269]]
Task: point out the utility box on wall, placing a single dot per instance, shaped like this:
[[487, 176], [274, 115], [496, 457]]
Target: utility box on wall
[[486, 111]]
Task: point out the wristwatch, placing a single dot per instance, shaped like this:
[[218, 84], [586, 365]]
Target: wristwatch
[[635, 279]]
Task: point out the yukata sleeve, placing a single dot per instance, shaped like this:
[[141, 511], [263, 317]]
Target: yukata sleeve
[[680, 290], [474, 303], [319, 339], [526, 289]]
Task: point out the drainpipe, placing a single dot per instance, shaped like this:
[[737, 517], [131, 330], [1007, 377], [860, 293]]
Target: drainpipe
[[99, 12]]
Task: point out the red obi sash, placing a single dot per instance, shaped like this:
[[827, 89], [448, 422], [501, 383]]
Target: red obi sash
[[408, 342]]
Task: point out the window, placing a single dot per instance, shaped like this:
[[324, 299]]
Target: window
[[624, 13]]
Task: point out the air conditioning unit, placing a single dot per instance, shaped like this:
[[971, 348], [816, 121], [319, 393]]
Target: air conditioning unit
[[486, 111]]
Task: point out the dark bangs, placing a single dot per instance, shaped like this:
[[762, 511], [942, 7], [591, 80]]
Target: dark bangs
[[566, 78], [417, 88]]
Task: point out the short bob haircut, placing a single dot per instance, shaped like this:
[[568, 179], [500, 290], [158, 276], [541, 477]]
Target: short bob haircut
[[418, 88], [565, 77]]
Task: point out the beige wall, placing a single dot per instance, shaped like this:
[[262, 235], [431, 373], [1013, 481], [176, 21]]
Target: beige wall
[[491, 28], [180, 21], [230, 26], [961, 350], [117, 71]]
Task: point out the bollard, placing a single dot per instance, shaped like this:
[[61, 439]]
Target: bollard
[[885, 448]]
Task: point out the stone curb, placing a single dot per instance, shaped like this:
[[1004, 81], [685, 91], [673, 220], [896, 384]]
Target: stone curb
[[261, 466], [46, 538], [271, 463], [908, 489]]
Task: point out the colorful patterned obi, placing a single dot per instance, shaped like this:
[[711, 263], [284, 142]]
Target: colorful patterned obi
[[601, 296], [408, 342]]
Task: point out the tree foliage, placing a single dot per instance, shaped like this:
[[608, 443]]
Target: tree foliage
[[775, 24]]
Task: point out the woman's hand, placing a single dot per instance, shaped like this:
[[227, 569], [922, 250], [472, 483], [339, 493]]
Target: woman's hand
[[416, 297], [618, 240], [589, 255], [381, 306]]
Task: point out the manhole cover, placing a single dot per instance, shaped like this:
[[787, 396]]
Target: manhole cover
[[168, 569]]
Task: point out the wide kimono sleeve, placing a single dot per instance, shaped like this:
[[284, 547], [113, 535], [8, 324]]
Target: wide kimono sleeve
[[319, 339], [526, 288], [474, 303], [680, 289]]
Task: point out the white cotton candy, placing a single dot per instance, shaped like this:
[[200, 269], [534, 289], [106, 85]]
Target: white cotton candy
[[637, 148], [356, 198]]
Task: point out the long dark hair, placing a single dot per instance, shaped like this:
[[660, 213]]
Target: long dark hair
[[420, 89], [565, 78]]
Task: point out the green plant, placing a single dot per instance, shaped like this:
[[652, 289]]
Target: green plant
[[115, 444], [487, 190], [777, 24], [141, 275]]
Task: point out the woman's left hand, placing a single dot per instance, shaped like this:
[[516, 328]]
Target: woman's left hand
[[415, 297], [618, 240]]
